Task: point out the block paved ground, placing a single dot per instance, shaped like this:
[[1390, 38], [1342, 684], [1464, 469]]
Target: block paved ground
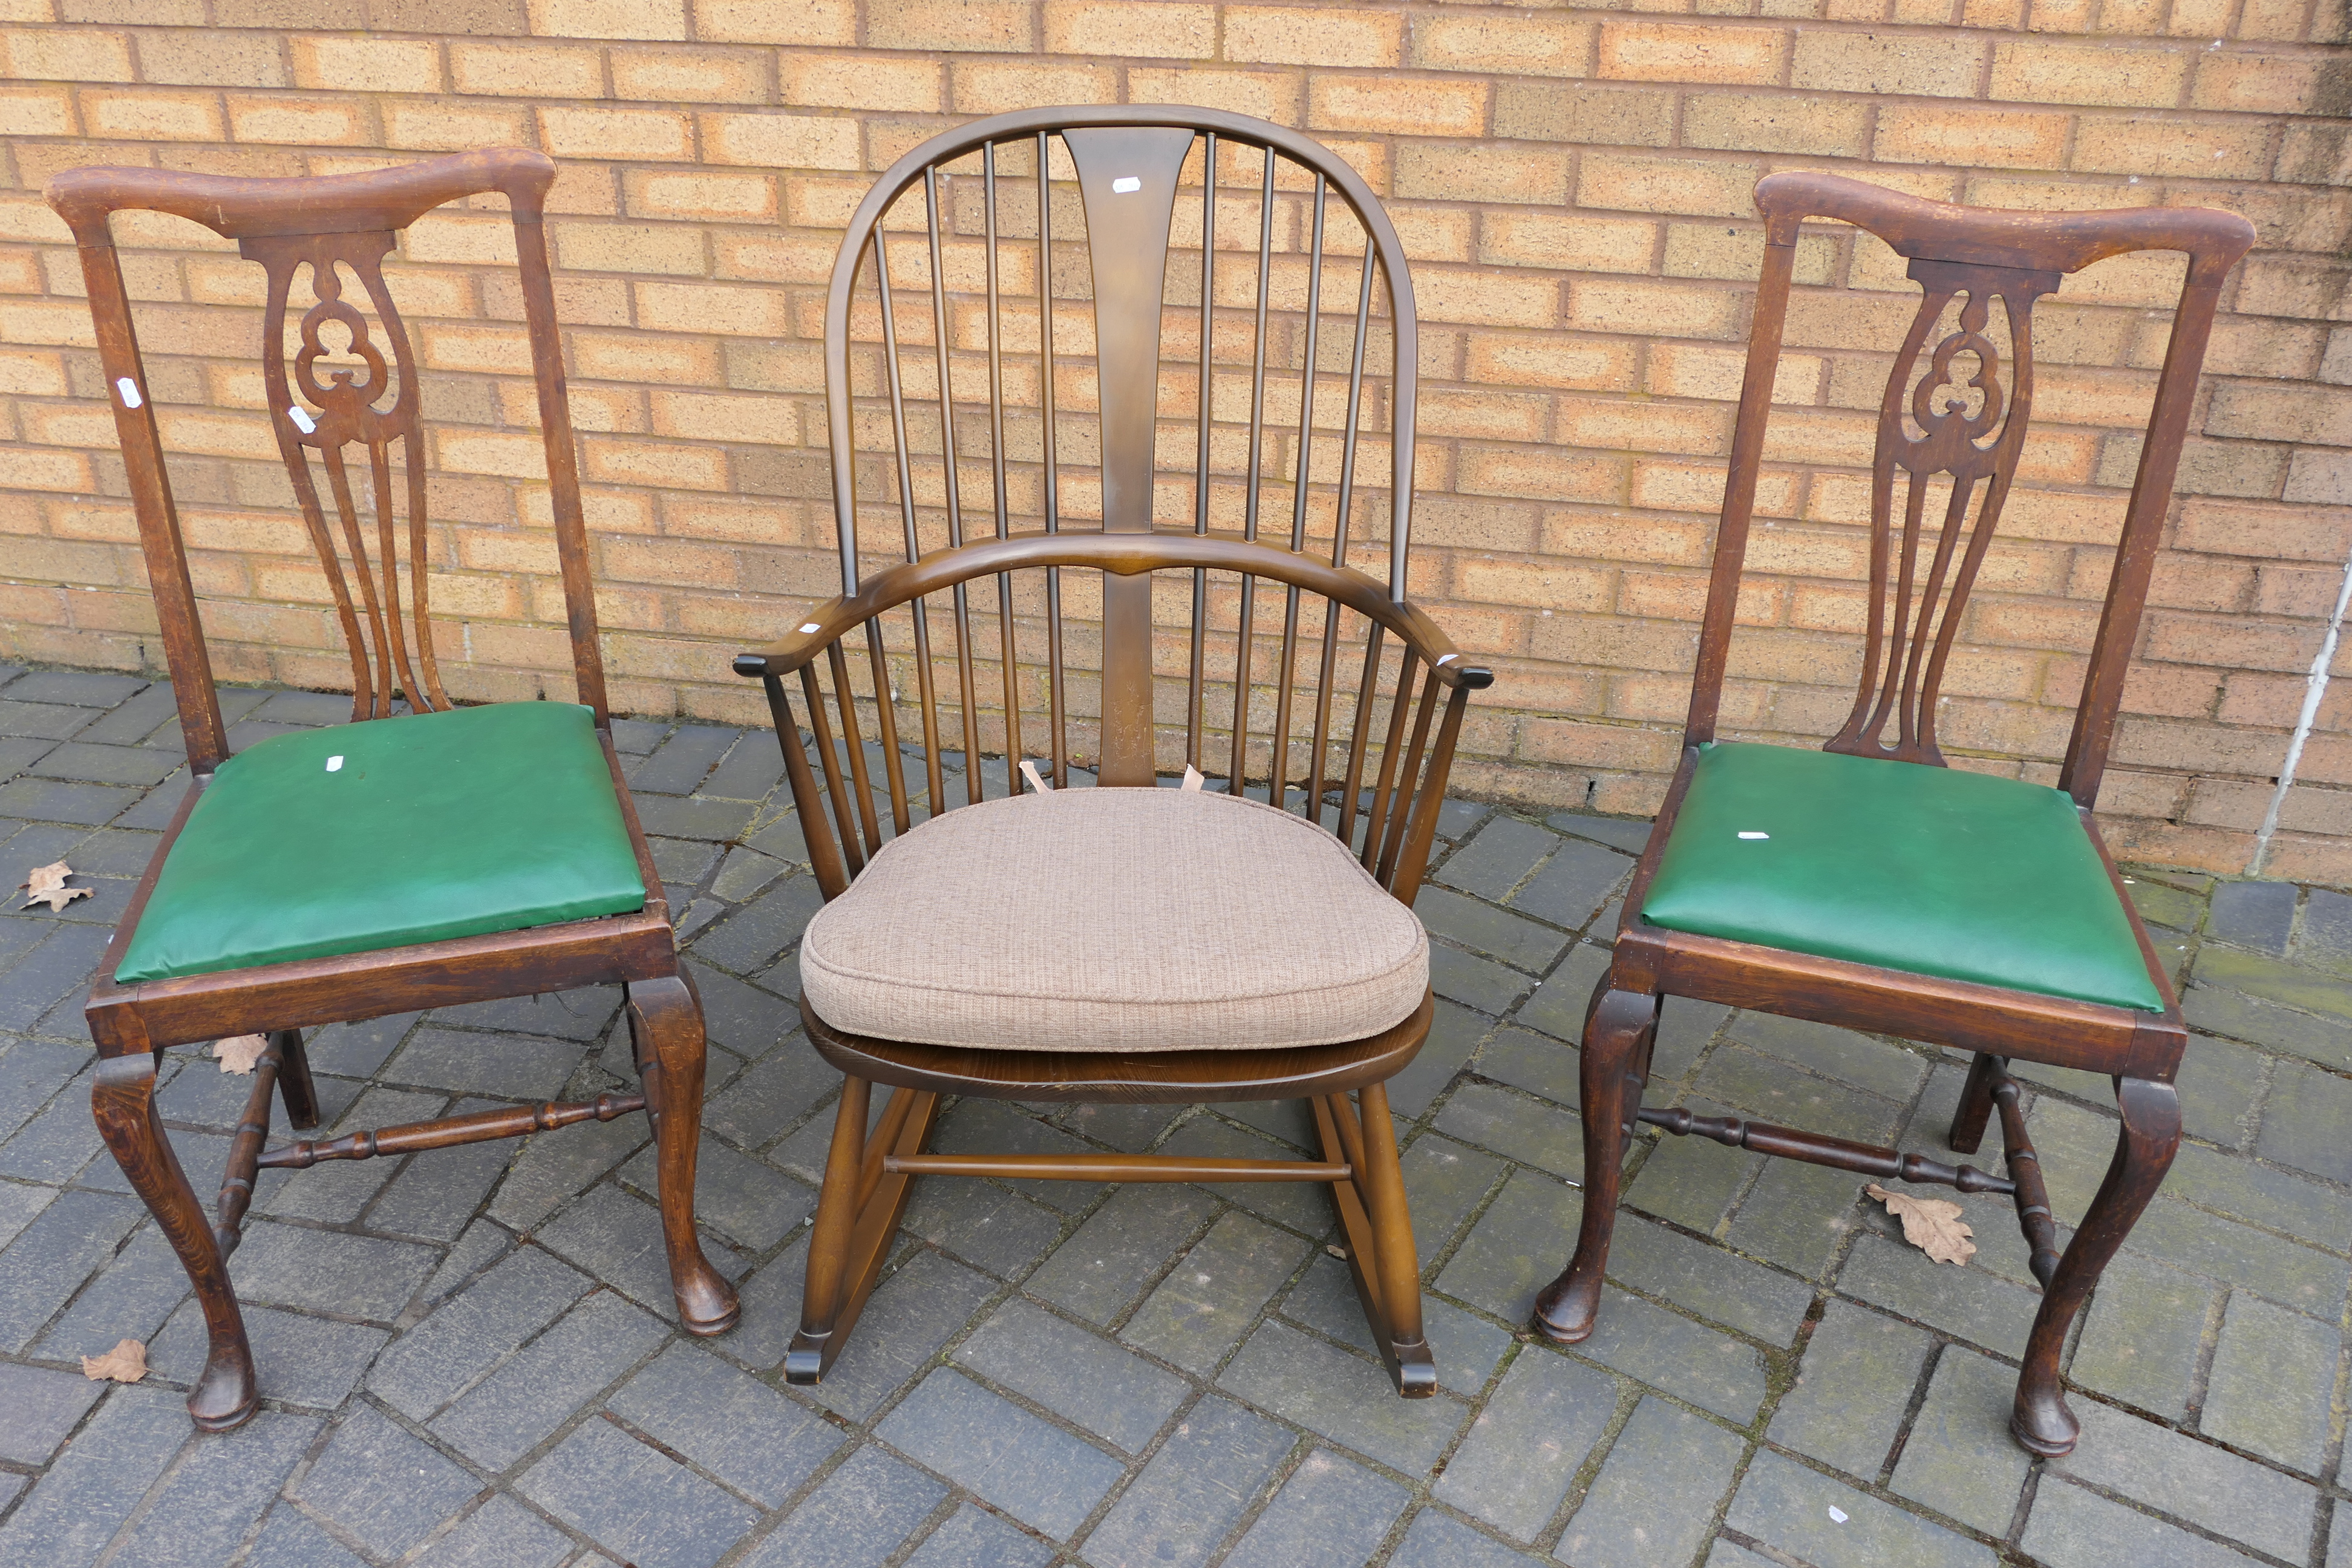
[[469, 1358]]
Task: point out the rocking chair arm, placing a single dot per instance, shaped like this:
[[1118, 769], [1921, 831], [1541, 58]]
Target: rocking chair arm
[[1125, 554]]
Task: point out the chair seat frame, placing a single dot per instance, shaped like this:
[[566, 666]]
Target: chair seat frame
[[352, 220]]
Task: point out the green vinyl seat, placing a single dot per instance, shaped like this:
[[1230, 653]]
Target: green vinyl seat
[[1902, 865], [390, 833]]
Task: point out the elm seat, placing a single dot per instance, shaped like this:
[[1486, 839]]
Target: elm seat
[[1115, 920], [1925, 869], [457, 823]]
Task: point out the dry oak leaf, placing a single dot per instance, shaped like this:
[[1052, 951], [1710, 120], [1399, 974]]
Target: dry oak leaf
[[239, 1052], [1931, 1225], [126, 1362], [47, 884]]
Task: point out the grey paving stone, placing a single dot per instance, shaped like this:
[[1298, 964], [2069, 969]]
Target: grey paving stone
[[299, 1359], [2142, 1336], [304, 709], [1531, 1131], [41, 720], [289, 1540], [2268, 978], [860, 1515], [1453, 1035], [70, 1240], [1297, 1204], [692, 817], [1797, 1216], [2220, 1085], [682, 862], [329, 1271], [1443, 1181], [1029, 1469], [1522, 1240], [514, 1409], [553, 1166], [1692, 1182], [2270, 1390], [1116, 1396], [20, 1204], [71, 1513], [771, 1094], [1713, 1371], [1766, 1087], [1628, 833], [31, 1071], [581, 1015], [382, 1486], [635, 737], [1346, 1398], [433, 1197], [2192, 1480], [1889, 1071], [1959, 1458], [1196, 1488], [1132, 1129], [1208, 1301], [635, 1501], [1787, 1506], [62, 1142], [1964, 1302], [1000, 1232], [909, 1316], [1474, 981], [1455, 818], [1573, 884], [2302, 1125], [1330, 1510], [138, 766], [1657, 1496], [1466, 1348], [616, 1241], [2298, 1276], [203, 1510], [2241, 1018], [357, 1050], [55, 968], [38, 1408], [130, 1298], [1436, 1542], [974, 1538], [501, 1533], [1727, 1554], [1852, 1389], [742, 1019], [511, 1067], [1498, 859], [1528, 1444], [745, 1199], [1709, 1281], [751, 938], [2071, 1528], [742, 1431], [1483, 929], [679, 763], [1533, 1062], [55, 800], [2271, 1198], [1558, 1006], [2258, 915]]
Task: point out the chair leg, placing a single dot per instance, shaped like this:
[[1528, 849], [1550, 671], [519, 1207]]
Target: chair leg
[[2151, 1136], [1615, 1051], [122, 1103], [1397, 1260], [294, 1085], [1976, 1103], [666, 1029], [858, 1211]]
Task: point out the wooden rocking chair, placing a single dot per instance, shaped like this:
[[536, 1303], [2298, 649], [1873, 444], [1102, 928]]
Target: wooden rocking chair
[[445, 856], [1870, 885], [1124, 943]]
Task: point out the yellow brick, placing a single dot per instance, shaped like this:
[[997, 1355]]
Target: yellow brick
[[994, 87], [1668, 310], [699, 193], [448, 125], [1737, 254], [1269, 95], [1162, 30], [1687, 370], [1756, 122], [499, 350], [59, 53], [1679, 52], [35, 111], [1312, 35], [150, 115], [1540, 474], [1924, 64], [716, 416], [1397, 105], [307, 121], [1482, 299], [665, 466], [1611, 424], [689, 76], [781, 141], [1550, 360], [1475, 172], [1567, 241], [673, 248], [608, 18], [1921, 134], [368, 64], [2234, 150], [768, 256], [1697, 186], [1002, 26], [832, 82], [527, 70], [644, 356], [1612, 116], [1546, 585], [616, 133], [809, 24], [713, 308], [2033, 71], [1486, 415], [28, 373], [2259, 84], [1503, 44]]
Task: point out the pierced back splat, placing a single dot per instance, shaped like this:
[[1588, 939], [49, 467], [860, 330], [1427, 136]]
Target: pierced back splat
[[346, 402], [1908, 642]]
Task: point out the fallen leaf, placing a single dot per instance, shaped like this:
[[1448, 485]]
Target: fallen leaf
[[126, 1362], [47, 884], [239, 1052], [1338, 1252], [1931, 1225]]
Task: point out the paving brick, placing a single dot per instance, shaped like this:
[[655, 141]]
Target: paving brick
[[1197, 1314], [1531, 1131], [326, 1272], [1498, 859], [86, 763], [70, 1240], [1573, 884], [553, 1166], [1777, 1094], [288, 1540], [1194, 1490], [2258, 915], [1443, 1181], [635, 1501], [510, 1412], [2292, 1276], [1525, 1447], [2267, 979], [1116, 1396], [1959, 1458], [2272, 1199], [1889, 1071], [747, 1200], [1516, 1248], [1453, 1035], [2144, 1334], [39, 1408], [973, 1538], [752, 936], [1559, 1006], [131, 1295], [1297, 1204], [1024, 1466], [2071, 1528], [1483, 929], [1853, 1388], [681, 762], [742, 1431], [2326, 939], [1474, 981], [2268, 1392], [1436, 1542], [1796, 1216], [299, 1359], [988, 1126], [217, 1492], [2243, 1018], [1347, 1399], [1966, 1304], [1466, 1348], [511, 1067], [1329, 1507], [40, 721], [860, 1514], [78, 1506], [2220, 1084], [2304, 1121], [56, 968], [382, 1486], [81, 689], [1656, 1497], [2192, 1480], [1000, 1232], [693, 818], [501, 1533], [1783, 1505], [909, 1316]]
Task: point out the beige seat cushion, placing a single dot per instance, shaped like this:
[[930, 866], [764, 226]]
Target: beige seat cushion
[[1115, 920]]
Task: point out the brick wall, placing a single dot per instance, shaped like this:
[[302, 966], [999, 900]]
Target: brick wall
[[1571, 184]]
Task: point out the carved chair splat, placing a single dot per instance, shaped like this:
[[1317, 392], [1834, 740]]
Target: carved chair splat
[[1368, 764], [177, 971], [1849, 920]]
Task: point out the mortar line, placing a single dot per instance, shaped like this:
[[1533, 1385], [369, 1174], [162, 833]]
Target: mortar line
[[2315, 689]]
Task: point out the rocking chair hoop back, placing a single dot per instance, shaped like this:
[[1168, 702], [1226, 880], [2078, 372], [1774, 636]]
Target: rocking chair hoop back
[[913, 429], [612, 923], [1843, 937]]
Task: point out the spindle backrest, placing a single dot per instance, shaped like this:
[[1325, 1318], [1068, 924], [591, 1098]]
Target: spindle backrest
[[1973, 435], [331, 225]]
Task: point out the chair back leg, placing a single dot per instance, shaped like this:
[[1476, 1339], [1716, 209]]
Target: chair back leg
[[1614, 1066], [858, 1212], [294, 1085], [1379, 1226], [124, 1103], [666, 1030]]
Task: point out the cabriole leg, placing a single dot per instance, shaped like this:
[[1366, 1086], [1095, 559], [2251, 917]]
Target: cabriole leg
[[124, 1103], [2151, 1135], [666, 1027], [1615, 1038]]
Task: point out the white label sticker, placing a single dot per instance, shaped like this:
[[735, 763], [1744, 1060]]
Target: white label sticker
[[334, 765], [1125, 184], [1755, 835], [1838, 1515], [807, 626], [302, 421], [1448, 658], [129, 390]]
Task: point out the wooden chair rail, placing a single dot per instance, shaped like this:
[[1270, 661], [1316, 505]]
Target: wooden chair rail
[[480, 1127], [1813, 1148], [241, 207], [1113, 1168]]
